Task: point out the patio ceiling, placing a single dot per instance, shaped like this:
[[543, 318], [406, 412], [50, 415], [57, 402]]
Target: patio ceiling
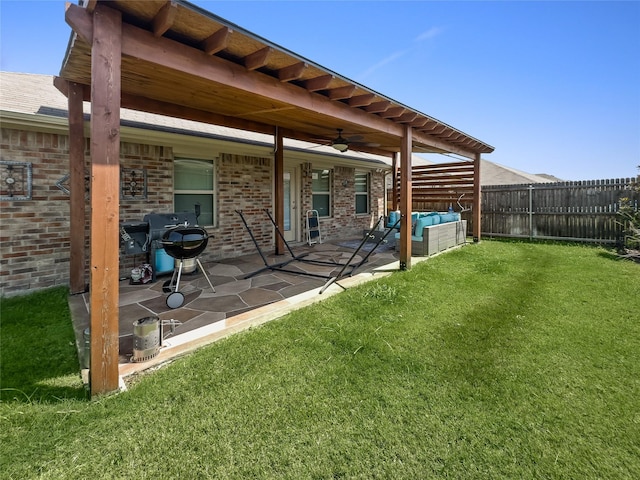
[[182, 61]]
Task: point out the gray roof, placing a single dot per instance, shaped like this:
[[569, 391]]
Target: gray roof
[[492, 173], [34, 94], [495, 174]]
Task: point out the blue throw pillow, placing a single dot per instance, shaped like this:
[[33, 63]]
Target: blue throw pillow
[[393, 218]]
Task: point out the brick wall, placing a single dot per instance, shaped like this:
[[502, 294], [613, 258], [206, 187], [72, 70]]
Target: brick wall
[[244, 183], [34, 234], [344, 223], [158, 163]]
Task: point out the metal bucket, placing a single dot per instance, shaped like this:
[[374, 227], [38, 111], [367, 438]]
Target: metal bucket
[[188, 265], [146, 339]]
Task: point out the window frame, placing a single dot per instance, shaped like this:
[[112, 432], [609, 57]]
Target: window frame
[[365, 194], [328, 192], [213, 192]]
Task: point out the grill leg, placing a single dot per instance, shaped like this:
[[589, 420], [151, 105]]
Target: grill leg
[[179, 274], [205, 275]]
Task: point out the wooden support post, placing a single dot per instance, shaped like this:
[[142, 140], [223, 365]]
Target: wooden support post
[[477, 200], [279, 188], [105, 198], [405, 199], [77, 209], [394, 176]]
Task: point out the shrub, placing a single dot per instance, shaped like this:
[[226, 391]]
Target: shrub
[[630, 220]]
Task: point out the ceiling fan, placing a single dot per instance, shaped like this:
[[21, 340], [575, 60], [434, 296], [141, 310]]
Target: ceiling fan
[[339, 143], [342, 144]]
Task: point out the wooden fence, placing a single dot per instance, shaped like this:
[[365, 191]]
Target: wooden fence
[[439, 186], [583, 211]]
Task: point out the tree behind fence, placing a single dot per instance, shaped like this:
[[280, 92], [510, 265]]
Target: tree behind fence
[[584, 211]]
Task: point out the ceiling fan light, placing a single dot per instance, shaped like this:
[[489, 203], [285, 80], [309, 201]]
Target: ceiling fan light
[[340, 145]]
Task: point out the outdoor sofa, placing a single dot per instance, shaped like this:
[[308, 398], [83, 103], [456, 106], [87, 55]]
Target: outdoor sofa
[[432, 232]]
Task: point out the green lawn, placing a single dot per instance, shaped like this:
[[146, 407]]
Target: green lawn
[[502, 360]]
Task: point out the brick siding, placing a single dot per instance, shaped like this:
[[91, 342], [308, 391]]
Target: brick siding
[[34, 234]]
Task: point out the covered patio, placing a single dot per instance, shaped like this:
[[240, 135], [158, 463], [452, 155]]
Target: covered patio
[[175, 59], [246, 294]]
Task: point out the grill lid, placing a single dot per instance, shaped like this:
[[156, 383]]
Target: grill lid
[[185, 241]]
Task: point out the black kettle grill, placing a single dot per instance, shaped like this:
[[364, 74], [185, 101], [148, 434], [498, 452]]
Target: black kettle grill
[[182, 242]]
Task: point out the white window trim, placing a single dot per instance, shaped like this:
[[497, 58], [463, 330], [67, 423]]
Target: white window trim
[[367, 194], [213, 192], [329, 192]]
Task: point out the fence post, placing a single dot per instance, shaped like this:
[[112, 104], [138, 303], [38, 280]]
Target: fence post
[[477, 200], [530, 212]]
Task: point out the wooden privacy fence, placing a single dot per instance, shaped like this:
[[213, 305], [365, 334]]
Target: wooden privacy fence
[[584, 211]]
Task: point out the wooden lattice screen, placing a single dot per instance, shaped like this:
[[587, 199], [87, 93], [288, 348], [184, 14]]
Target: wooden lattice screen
[[436, 186]]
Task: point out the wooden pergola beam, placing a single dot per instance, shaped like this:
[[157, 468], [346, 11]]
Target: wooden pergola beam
[[258, 59], [318, 83], [394, 112], [292, 72], [361, 100], [141, 44], [105, 199], [278, 182], [378, 107], [162, 51], [164, 19], [405, 199], [477, 200], [217, 41], [341, 93], [76, 178]]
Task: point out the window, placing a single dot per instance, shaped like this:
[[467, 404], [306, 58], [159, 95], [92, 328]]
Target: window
[[362, 192], [321, 191], [193, 188]]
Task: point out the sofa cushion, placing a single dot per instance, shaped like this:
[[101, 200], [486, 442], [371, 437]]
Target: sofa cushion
[[393, 218], [436, 217], [449, 217], [421, 223]]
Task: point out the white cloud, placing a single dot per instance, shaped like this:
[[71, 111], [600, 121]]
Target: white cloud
[[382, 63], [428, 34]]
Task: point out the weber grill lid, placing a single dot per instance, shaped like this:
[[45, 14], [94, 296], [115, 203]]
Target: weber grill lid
[[184, 241]]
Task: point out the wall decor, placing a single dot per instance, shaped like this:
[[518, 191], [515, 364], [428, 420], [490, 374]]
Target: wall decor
[[64, 185], [133, 183], [15, 180]]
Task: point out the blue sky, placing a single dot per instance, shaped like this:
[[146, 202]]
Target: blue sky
[[553, 86]]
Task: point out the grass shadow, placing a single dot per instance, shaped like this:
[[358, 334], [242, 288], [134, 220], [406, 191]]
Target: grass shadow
[[39, 359], [480, 344]]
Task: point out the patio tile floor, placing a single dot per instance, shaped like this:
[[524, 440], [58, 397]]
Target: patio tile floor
[[237, 302]]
